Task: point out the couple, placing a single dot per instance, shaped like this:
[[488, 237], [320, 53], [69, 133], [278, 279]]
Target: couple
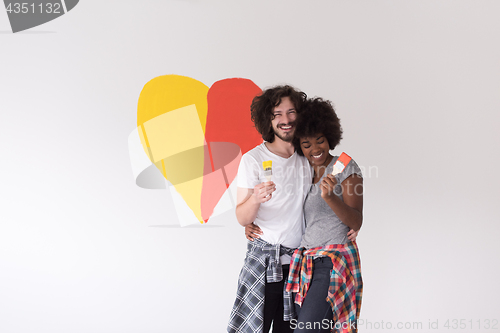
[[317, 268]]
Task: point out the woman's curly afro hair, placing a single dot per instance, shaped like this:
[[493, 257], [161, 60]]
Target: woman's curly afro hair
[[317, 117], [263, 106]]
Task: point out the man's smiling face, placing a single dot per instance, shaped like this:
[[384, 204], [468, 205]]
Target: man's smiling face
[[283, 122]]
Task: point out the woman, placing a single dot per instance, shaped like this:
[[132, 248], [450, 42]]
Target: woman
[[331, 298], [325, 270]]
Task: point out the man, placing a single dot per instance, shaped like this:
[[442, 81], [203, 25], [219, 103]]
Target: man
[[274, 206]]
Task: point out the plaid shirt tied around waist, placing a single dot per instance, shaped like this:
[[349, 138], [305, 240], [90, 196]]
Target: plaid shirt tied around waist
[[346, 285], [262, 263]]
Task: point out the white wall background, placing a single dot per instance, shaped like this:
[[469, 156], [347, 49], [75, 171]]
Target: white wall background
[[416, 84]]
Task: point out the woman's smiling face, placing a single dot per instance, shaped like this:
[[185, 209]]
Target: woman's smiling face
[[315, 148]]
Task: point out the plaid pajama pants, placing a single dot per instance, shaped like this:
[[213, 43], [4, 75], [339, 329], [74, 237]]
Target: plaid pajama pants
[[262, 263]]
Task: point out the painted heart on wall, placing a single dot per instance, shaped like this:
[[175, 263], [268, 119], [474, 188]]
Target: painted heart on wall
[[196, 135]]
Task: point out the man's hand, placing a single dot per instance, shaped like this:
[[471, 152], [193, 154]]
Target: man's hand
[[252, 231], [327, 186], [263, 192], [351, 235]]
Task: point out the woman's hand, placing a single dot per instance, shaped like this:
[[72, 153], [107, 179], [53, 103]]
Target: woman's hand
[[327, 186], [252, 231], [351, 235]]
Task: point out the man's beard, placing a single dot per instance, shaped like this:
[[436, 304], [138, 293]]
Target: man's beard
[[288, 137]]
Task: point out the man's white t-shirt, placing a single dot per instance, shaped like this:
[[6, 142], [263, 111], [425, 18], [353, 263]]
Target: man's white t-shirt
[[281, 219]]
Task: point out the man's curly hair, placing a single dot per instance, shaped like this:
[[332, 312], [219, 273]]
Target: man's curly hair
[[263, 106], [317, 117]]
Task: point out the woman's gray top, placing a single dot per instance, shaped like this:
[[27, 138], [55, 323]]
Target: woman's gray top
[[323, 227]]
